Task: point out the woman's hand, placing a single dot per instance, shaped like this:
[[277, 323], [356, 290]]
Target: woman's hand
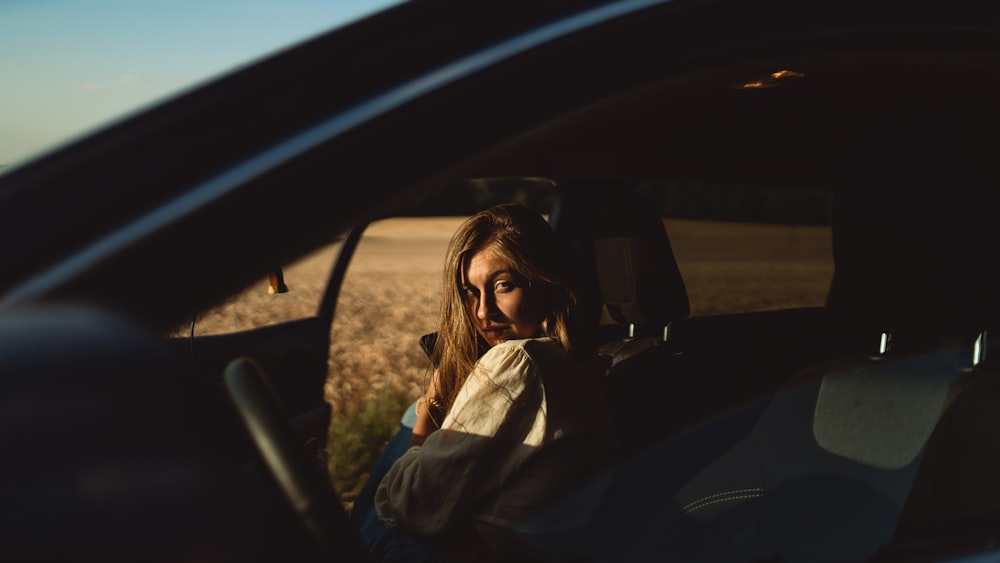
[[430, 415]]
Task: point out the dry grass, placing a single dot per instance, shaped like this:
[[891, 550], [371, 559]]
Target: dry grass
[[391, 295], [389, 299]]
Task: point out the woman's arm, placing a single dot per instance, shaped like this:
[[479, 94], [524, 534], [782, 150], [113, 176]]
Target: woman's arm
[[465, 460], [429, 417], [430, 414]]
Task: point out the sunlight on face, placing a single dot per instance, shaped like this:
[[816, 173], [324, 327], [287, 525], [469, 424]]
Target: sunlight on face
[[499, 301]]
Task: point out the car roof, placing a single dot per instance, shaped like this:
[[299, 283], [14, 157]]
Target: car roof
[[292, 151]]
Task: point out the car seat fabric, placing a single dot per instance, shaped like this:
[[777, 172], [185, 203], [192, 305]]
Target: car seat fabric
[[643, 291], [839, 444], [640, 283], [638, 274], [880, 412], [955, 498], [621, 238]]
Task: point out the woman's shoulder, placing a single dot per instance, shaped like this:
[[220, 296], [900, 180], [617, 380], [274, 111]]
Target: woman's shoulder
[[531, 351], [527, 346], [517, 351]]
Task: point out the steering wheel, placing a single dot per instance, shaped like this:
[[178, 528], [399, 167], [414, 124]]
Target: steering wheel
[[302, 483]]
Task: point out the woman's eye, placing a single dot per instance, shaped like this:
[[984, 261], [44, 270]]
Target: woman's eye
[[502, 286]]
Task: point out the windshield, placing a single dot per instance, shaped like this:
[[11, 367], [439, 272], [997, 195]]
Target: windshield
[[70, 67]]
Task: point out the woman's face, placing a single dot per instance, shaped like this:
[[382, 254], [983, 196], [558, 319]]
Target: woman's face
[[499, 301]]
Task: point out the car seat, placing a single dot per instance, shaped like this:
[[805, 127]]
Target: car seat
[[826, 470], [954, 504], [623, 238], [640, 283], [832, 457]]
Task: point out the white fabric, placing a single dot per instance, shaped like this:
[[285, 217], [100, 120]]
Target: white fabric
[[502, 416]]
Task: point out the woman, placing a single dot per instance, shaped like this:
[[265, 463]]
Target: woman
[[498, 437]]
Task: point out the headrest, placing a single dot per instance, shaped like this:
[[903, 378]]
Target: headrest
[[913, 232], [636, 270], [881, 412]]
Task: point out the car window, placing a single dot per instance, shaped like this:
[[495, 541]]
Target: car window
[[410, 243], [390, 297], [262, 304], [764, 249], [732, 267]]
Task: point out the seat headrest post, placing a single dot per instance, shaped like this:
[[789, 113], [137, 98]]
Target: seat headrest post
[[885, 343], [979, 349]]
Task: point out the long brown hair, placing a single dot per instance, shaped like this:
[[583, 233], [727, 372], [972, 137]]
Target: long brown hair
[[526, 242]]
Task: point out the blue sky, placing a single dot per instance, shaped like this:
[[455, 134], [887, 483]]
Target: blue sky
[[68, 66]]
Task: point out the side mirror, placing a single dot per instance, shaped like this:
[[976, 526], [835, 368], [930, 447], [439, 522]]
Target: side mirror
[[276, 282]]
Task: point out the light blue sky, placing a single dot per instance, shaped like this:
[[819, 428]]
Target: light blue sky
[[68, 66]]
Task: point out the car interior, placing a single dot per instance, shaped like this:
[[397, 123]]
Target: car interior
[[774, 431], [856, 426]]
